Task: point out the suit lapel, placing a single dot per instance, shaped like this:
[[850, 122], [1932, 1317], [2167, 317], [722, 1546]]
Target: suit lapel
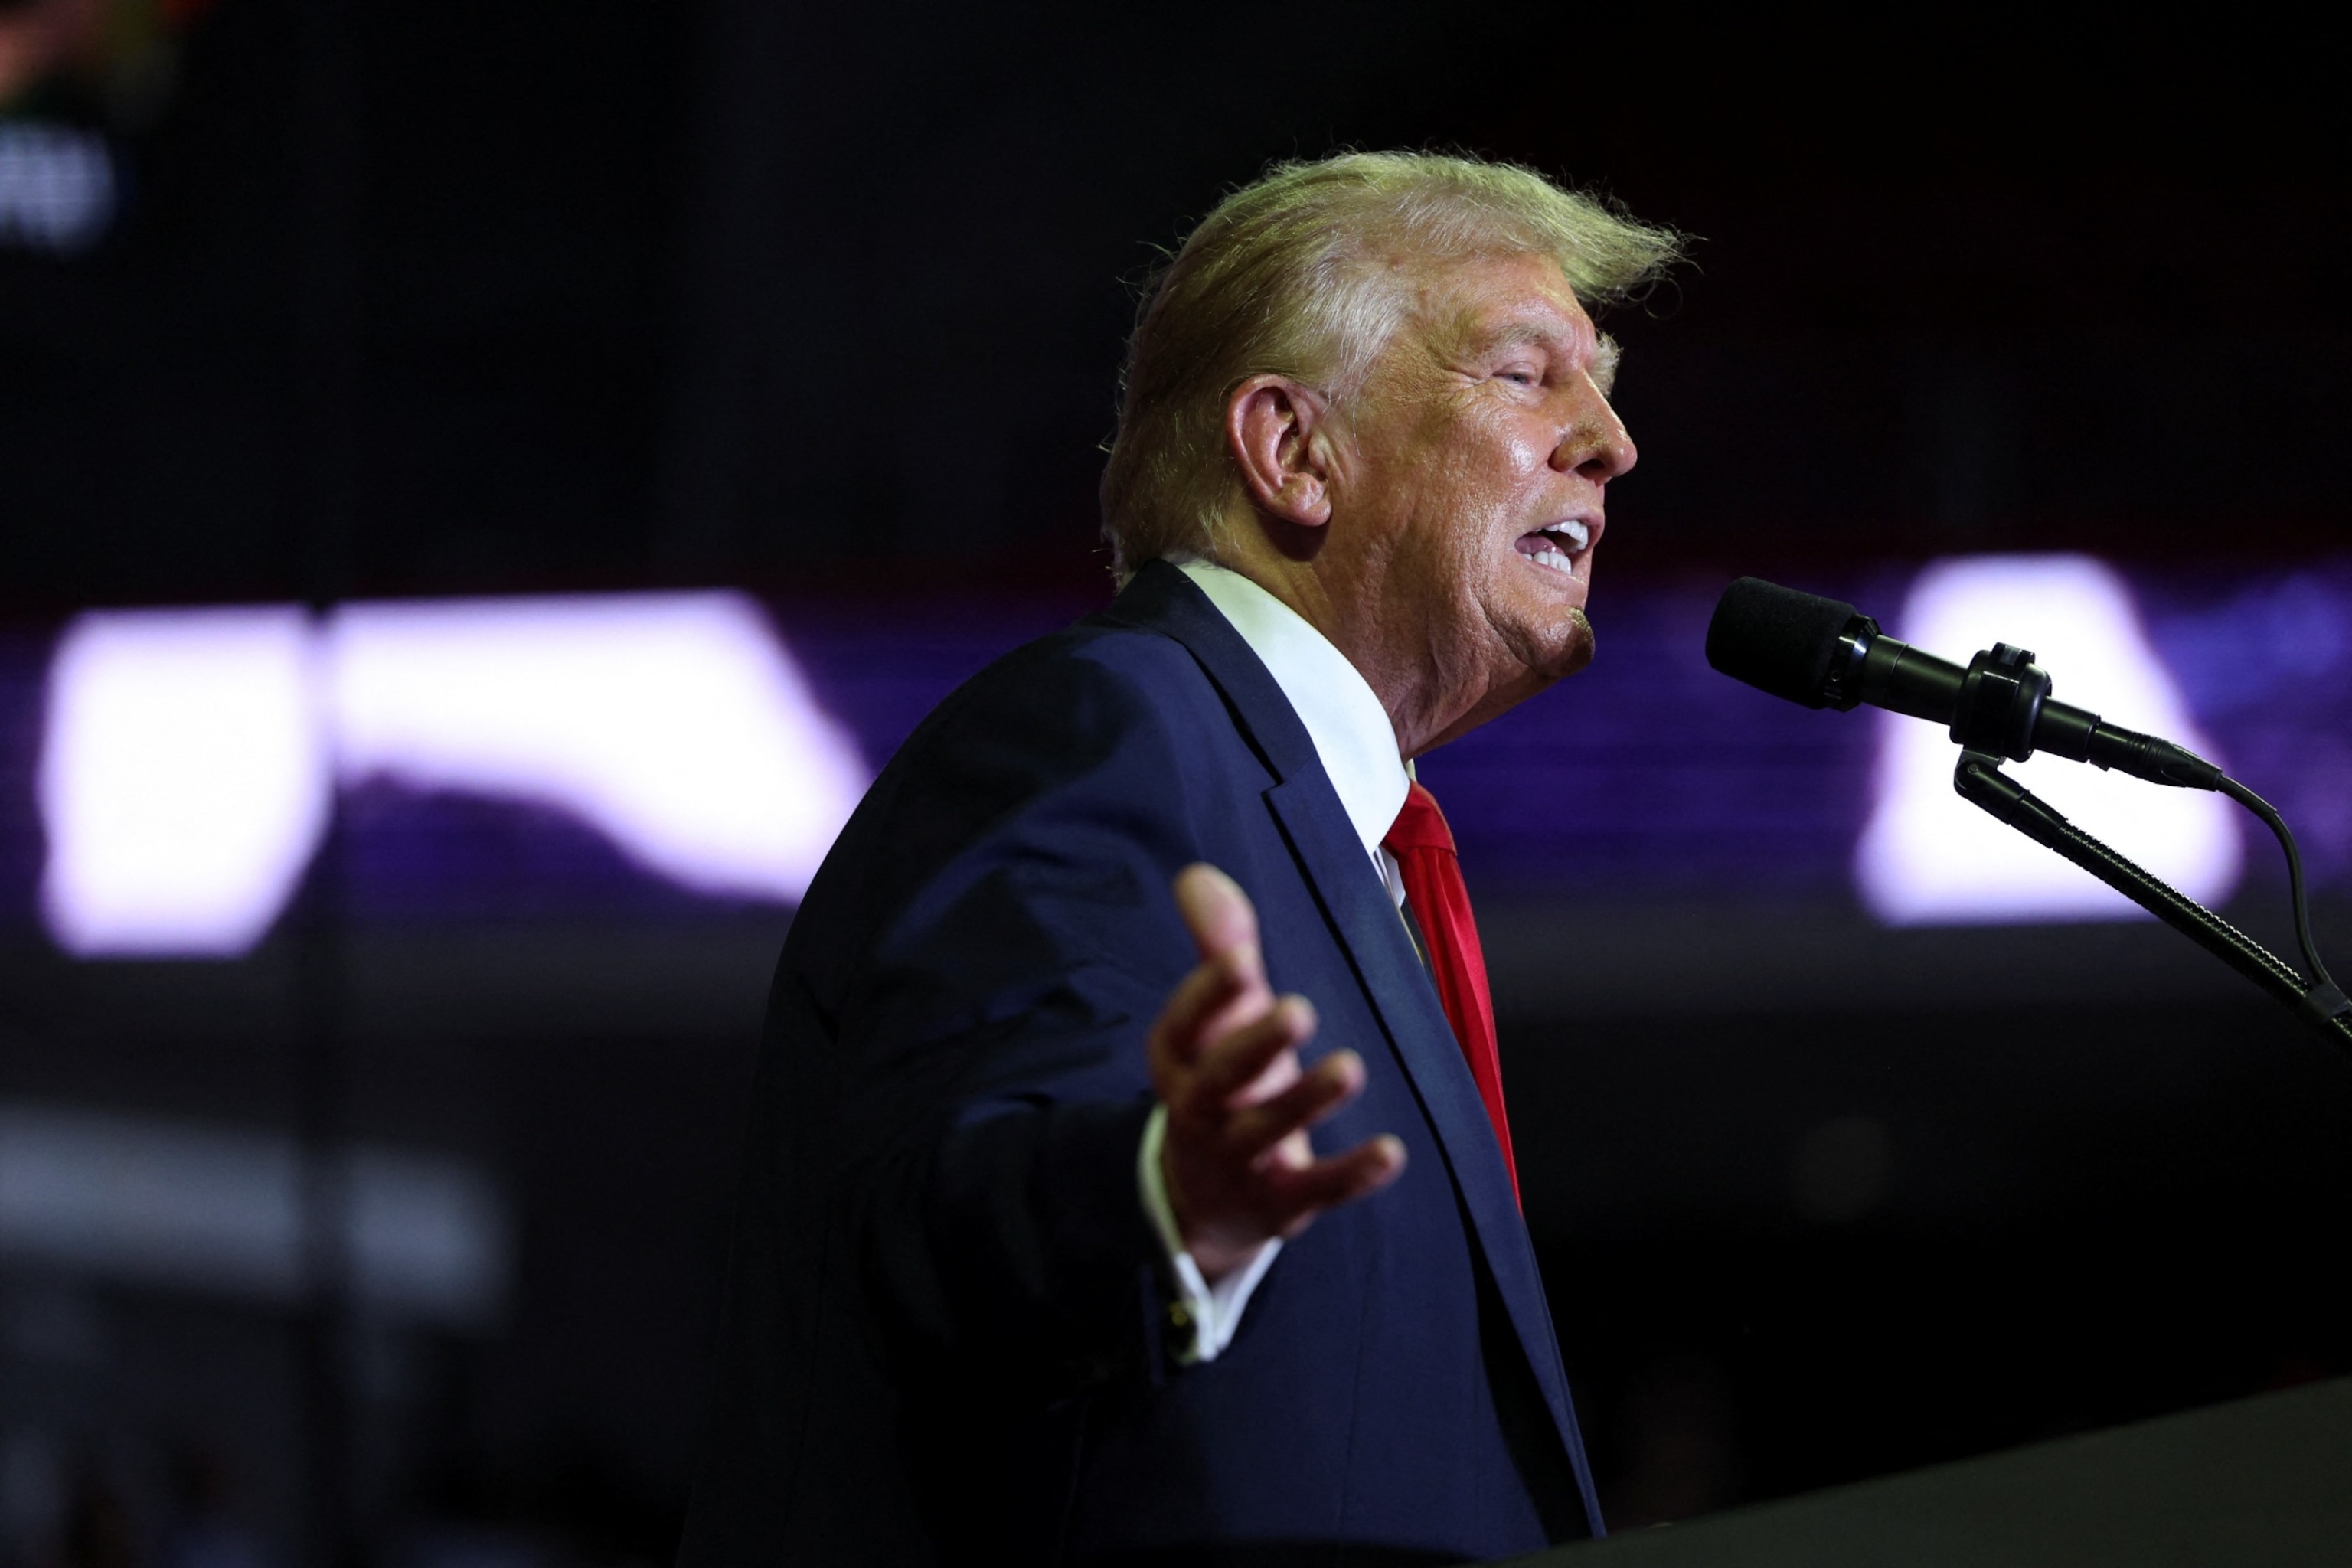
[[1317, 827]]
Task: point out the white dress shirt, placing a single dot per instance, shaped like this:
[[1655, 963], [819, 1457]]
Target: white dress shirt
[[1358, 747]]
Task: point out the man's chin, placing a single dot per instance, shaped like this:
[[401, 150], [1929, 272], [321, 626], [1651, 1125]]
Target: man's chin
[[1562, 651], [1577, 653]]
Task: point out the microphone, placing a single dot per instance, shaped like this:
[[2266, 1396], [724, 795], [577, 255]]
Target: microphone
[[1822, 652]]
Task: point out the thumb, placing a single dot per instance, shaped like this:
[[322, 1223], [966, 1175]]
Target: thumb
[[1216, 912]]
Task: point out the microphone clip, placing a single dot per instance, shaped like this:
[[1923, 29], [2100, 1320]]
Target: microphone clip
[[2000, 702]]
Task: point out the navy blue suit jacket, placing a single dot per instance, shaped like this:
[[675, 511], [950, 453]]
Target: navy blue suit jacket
[[945, 1338]]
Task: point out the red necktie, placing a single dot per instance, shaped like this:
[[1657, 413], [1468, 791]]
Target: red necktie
[[1423, 847]]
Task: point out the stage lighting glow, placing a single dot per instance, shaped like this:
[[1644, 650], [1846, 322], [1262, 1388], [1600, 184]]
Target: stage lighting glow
[[154, 1202], [185, 772], [182, 779], [56, 185], [673, 723], [1927, 857]]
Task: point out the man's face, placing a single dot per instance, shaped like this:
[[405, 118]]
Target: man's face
[[1467, 496]]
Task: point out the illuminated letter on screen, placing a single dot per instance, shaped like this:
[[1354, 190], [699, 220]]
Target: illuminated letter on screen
[[1927, 857]]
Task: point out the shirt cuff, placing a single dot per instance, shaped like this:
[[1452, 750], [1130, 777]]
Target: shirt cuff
[[1212, 1311]]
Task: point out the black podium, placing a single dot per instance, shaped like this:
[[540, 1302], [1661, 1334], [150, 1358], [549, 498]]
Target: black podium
[[2263, 1482]]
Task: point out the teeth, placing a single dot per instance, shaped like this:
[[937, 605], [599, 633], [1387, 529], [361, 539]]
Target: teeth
[[1553, 559], [1571, 531]]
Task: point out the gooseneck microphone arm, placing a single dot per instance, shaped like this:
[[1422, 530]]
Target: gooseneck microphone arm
[[1822, 652], [2322, 1006]]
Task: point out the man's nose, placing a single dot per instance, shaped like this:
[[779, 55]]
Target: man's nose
[[1597, 445]]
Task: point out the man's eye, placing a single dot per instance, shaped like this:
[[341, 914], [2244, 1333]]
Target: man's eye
[[1523, 377]]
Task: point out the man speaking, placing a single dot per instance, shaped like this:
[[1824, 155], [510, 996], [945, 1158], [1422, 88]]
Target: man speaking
[[1128, 1174]]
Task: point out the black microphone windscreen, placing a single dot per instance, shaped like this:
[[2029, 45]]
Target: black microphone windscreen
[[1777, 640]]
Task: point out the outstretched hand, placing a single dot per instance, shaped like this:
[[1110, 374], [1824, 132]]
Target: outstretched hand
[[1225, 1061]]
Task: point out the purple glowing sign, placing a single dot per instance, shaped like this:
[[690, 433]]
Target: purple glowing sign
[[646, 756], [190, 756]]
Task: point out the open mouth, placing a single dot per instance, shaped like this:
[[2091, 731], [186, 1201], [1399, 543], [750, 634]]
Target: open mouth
[[1556, 545]]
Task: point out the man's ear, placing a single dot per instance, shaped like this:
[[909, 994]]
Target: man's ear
[[1274, 428]]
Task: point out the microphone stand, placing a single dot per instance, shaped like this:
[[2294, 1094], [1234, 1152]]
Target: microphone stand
[[2322, 1006]]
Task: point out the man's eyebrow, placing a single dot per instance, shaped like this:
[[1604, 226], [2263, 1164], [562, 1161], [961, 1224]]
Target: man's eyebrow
[[1606, 356], [1511, 335]]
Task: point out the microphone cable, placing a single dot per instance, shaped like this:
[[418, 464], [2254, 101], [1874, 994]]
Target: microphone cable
[[2320, 979]]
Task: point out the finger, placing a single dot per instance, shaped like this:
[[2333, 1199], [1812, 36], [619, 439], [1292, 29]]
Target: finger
[[1331, 1084], [1301, 1195], [1215, 909], [1199, 1003], [1236, 1060], [1249, 1063]]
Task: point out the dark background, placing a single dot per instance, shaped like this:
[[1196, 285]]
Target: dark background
[[439, 298]]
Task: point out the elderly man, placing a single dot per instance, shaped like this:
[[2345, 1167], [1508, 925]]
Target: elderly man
[[1036, 1258]]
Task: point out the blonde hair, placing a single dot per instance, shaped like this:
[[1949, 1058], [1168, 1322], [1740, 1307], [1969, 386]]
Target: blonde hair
[[1295, 276]]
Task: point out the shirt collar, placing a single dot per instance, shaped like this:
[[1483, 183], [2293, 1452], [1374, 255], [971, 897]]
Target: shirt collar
[[1352, 736]]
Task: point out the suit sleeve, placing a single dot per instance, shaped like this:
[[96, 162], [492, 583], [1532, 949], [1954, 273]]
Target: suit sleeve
[[985, 1008]]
